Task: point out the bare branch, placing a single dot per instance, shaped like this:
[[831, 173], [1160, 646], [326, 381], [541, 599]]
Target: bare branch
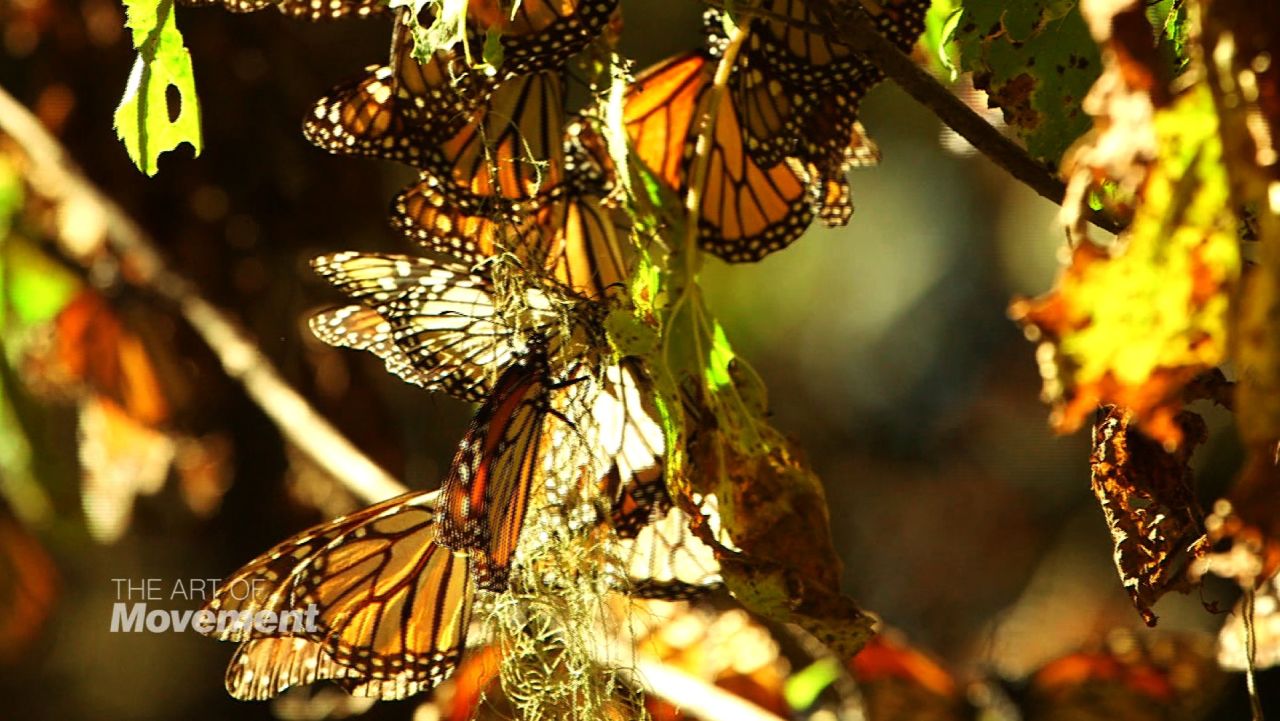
[[55, 176]]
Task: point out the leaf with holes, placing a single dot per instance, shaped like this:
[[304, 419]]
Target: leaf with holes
[[1036, 61], [159, 110]]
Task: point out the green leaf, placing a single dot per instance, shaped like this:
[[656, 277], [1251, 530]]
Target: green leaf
[[628, 335], [803, 687], [38, 287], [1131, 324], [33, 286], [1170, 20], [940, 25], [493, 53], [718, 359], [19, 485], [1036, 61], [144, 121]]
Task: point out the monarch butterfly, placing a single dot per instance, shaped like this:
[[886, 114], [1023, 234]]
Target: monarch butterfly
[[438, 93], [746, 211], [818, 128], [665, 560], [489, 145], [438, 225], [660, 557], [534, 440], [771, 112], [364, 117], [395, 110], [541, 34], [584, 251], [512, 151], [304, 9], [435, 323], [569, 232], [788, 47], [837, 142], [574, 238], [392, 605], [523, 442]]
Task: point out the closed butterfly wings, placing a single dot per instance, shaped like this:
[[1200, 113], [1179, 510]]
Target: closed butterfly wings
[[792, 45], [809, 123], [746, 211], [391, 605], [500, 464], [538, 34]]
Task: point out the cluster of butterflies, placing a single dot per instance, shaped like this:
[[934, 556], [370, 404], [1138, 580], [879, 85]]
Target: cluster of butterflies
[[520, 218]]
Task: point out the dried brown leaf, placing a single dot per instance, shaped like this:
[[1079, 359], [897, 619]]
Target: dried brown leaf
[[1148, 498], [785, 566]]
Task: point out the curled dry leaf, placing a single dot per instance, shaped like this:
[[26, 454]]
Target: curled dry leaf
[[1149, 501], [1132, 323], [774, 509]]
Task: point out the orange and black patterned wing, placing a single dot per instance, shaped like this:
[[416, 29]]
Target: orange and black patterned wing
[[816, 126], [541, 34], [390, 605], [789, 46], [583, 251], [746, 211], [510, 157], [437, 92], [498, 470], [465, 230], [263, 668], [365, 117]]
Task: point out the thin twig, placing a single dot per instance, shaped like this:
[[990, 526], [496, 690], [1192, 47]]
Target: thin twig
[[850, 25], [55, 176]]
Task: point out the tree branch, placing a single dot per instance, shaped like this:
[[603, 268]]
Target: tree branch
[[55, 177], [850, 25]]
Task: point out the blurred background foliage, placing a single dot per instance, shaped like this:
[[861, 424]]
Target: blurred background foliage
[[961, 518]]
